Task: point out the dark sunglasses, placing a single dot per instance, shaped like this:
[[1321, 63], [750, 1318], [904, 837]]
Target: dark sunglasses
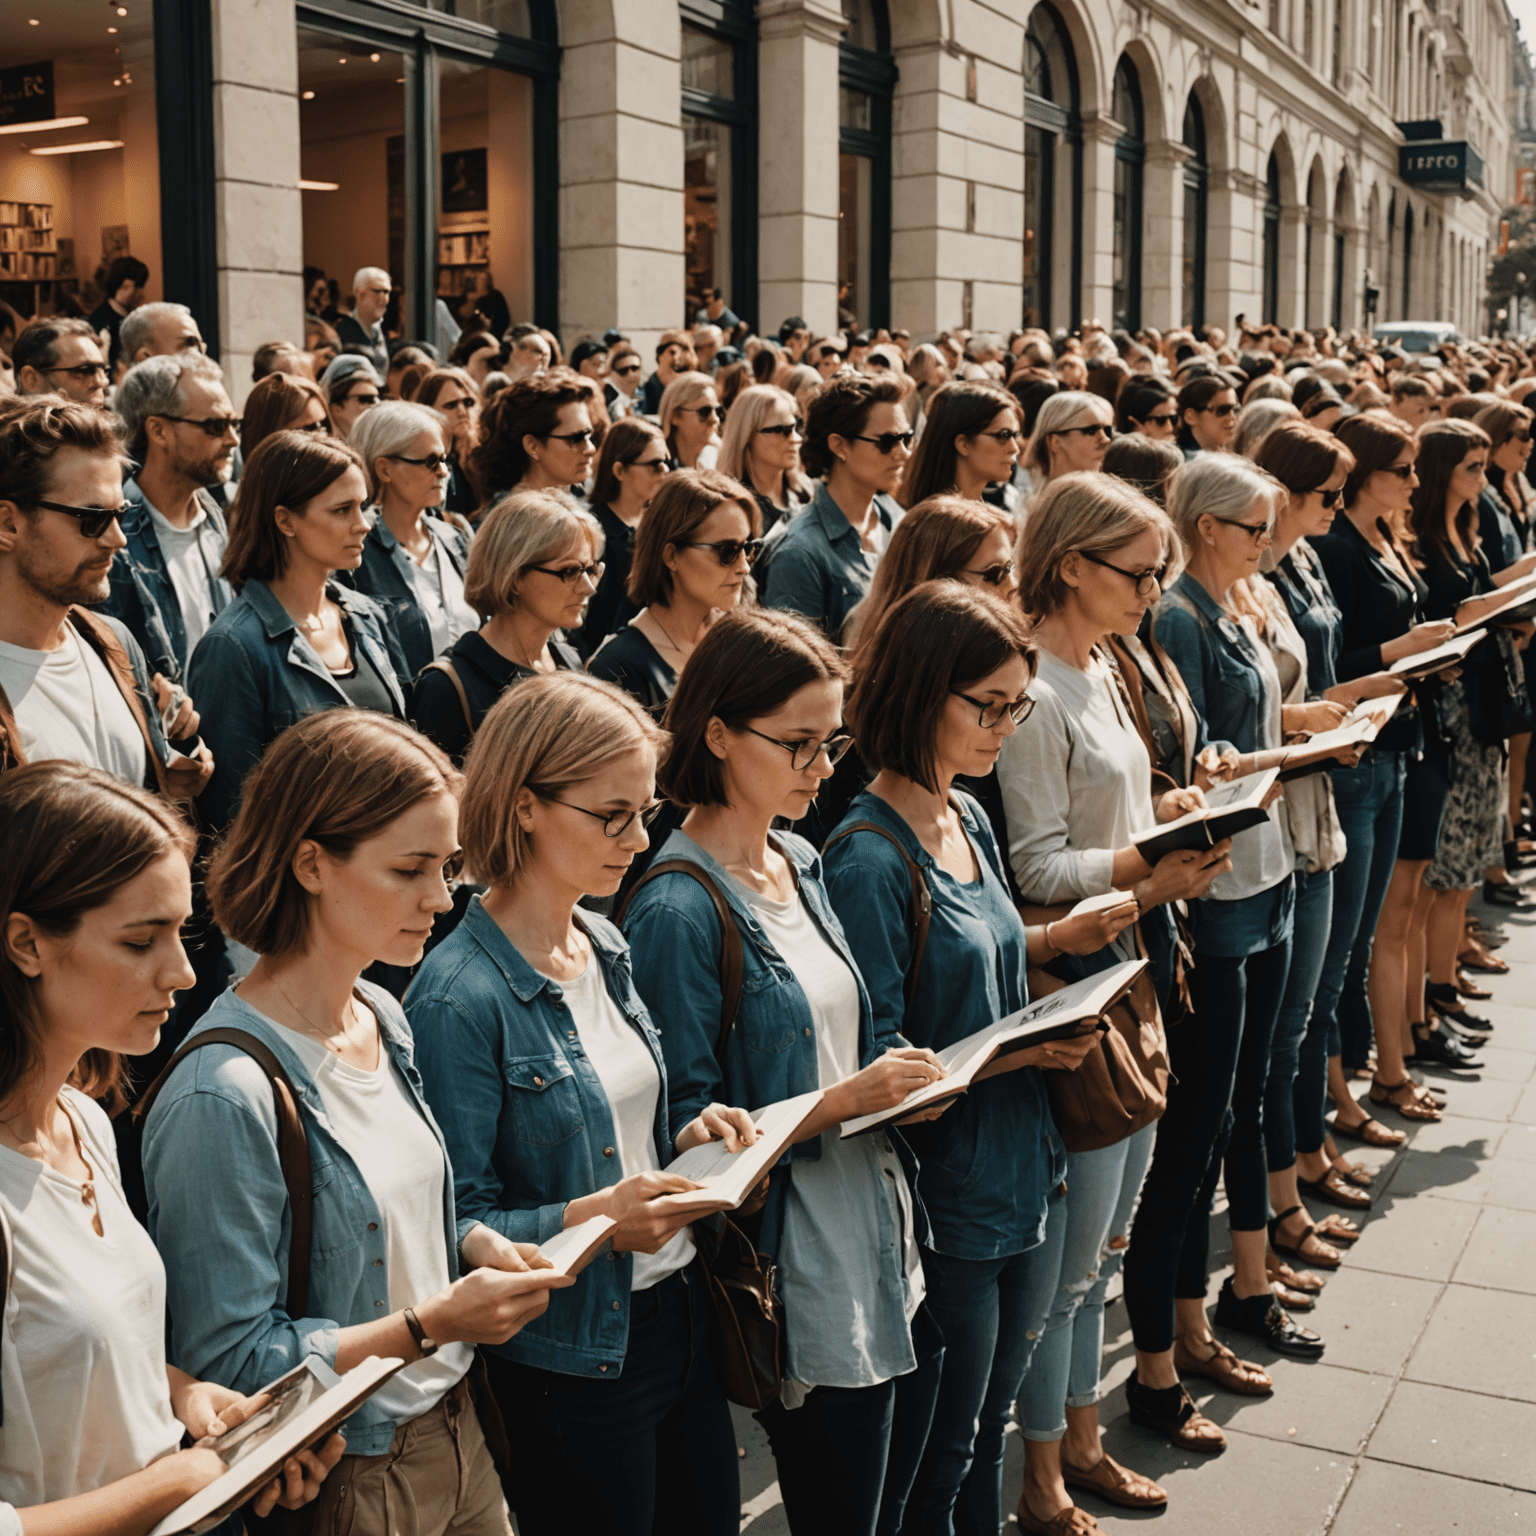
[[1402, 471], [886, 441], [703, 412], [1162, 418], [94, 521], [83, 371], [216, 426], [569, 573], [785, 428], [432, 461], [573, 438], [803, 753], [1097, 429], [614, 822], [1332, 498], [994, 575], [992, 712], [661, 465], [1003, 435], [625, 373], [729, 551], [1216, 410], [314, 426]]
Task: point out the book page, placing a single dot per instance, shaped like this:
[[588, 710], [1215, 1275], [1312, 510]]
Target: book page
[[729, 1177], [1422, 663], [569, 1251]]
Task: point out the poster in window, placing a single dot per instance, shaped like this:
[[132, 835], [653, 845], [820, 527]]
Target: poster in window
[[464, 181]]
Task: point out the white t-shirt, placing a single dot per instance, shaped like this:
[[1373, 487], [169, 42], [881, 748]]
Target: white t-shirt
[[86, 1395], [440, 590], [403, 1166], [67, 705], [193, 556], [632, 1083]]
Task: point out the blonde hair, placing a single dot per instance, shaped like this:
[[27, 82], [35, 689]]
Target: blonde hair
[[545, 734], [524, 528], [748, 412], [1060, 413], [1223, 485], [682, 392]]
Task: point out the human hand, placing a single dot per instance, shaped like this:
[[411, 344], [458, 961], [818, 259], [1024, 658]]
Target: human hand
[[885, 1082], [182, 721], [207, 1409], [1213, 767], [644, 1225], [1375, 685], [299, 1482], [1179, 802], [1058, 1055], [485, 1248], [1184, 874], [1089, 932], [719, 1122], [185, 777], [489, 1305], [1315, 716], [1422, 637]]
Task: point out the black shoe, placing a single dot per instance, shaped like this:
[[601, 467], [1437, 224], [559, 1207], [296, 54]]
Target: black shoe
[[1503, 894], [1442, 1050], [1444, 1001], [1514, 859], [1171, 1411], [1263, 1318]]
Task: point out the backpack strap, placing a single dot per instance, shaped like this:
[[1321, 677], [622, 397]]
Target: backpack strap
[[292, 1146], [731, 959], [443, 665], [920, 914]]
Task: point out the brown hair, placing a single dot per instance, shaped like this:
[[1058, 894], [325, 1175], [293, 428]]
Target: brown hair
[[1376, 442], [525, 408], [33, 428], [1302, 457], [274, 404], [686, 498], [965, 409], [70, 838], [432, 384], [524, 529], [1442, 446], [748, 664], [289, 470], [1409, 386], [940, 637], [337, 779], [842, 409], [1501, 421], [625, 442], [1148, 463]]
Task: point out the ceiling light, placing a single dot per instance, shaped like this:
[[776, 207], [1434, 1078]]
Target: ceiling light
[[122, 10], [43, 127], [111, 29], [32, 21], [319, 186], [374, 58], [309, 95], [77, 149]]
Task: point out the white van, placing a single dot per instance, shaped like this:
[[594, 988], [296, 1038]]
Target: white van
[[1418, 338]]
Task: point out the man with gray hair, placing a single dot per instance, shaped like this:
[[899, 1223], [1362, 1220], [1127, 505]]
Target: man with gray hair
[[60, 356], [182, 432], [363, 330], [158, 330]]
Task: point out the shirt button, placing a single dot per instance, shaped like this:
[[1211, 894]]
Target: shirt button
[[378, 1263], [602, 1367], [615, 1306], [538, 1082], [607, 1151], [373, 1226], [612, 1257], [807, 1034], [379, 1305]]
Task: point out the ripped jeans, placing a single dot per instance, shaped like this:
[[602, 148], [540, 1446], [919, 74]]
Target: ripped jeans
[[1069, 1274]]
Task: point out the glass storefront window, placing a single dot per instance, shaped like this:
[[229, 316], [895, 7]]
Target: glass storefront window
[[855, 110], [855, 181], [503, 15], [709, 64], [706, 209], [1039, 148]]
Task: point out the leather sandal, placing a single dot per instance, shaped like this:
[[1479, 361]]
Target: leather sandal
[[1466, 987], [1292, 1278], [1171, 1412], [1334, 1189], [1337, 1230], [1292, 1301], [1416, 1109], [1329, 1260], [1223, 1367], [1115, 1484], [1070, 1521], [1352, 1173], [1372, 1132]]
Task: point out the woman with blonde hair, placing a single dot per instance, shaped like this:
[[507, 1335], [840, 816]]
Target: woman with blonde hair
[[969, 442], [452, 393], [282, 402], [534, 565], [761, 448], [546, 1073], [689, 415], [1072, 432]]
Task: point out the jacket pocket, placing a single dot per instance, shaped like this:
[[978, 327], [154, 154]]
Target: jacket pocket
[[765, 1019], [544, 1100]]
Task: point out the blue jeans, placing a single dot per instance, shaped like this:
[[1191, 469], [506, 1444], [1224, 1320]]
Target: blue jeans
[[1298, 1058], [1370, 806], [1076, 1264], [980, 1305]]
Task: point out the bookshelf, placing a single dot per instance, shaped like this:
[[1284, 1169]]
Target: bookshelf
[[29, 249], [461, 249]]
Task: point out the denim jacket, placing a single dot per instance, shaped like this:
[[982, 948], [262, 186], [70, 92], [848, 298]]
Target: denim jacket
[[385, 576], [253, 675], [526, 1119], [990, 1161], [219, 1214]]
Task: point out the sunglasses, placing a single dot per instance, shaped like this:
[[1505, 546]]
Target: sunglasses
[[886, 441], [94, 521], [1255, 531], [1003, 435], [217, 426], [703, 412], [614, 822], [1402, 471], [660, 465], [803, 753], [1097, 429], [1162, 418], [992, 712], [83, 371], [729, 551], [994, 575], [795, 428], [575, 439], [1333, 497], [314, 426], [1216, 410], [568, 574], [629, 372], [432, 461]]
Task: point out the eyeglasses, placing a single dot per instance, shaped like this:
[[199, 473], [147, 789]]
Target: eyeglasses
[[614, 822], [1146, 581], [583, 439], [661, 465], [1402, 471], [729, 551], [992, 711], [785, 428], [1215, 410], [803, 753], [82, 371], [1255, 531], [432, 461], [703, 412], [363, 400], [1162, 418], [1003, 435], [995, 575], [94, 521], [628, 372], [886, 441], [1331, 498], [1097, 429], [215, 426], [314, 426], [568, 573]]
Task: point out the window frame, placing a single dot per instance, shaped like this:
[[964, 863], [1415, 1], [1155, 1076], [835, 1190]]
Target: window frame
[[1196, 179], [1131, 153], [874, 73], [1065, 122]]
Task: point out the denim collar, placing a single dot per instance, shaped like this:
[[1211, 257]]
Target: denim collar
[[873, 808], [680, 846], [275, 618], [831, 519], [526, 982]]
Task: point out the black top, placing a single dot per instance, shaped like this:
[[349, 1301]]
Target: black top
[[362, 684], [105, 318], [635, 665], [486, 674], [610, 607]]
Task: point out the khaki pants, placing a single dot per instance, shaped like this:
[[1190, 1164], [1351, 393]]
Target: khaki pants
[[436, 1479]]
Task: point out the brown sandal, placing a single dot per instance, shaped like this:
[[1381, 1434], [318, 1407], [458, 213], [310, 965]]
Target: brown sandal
[[1415, 1109], [1302, 1280], [1330, 1260], [1224, 1368], [1070, 1521], [1353, 1173], [1337, 1229], [1333, 1189], [1114, 1484], [1372, 1132]]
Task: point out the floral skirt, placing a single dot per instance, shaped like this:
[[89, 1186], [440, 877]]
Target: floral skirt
[[1472, 831]]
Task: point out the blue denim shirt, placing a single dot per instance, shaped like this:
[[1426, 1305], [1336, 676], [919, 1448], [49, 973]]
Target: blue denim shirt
[[219, 1214], [385, 576], [253, 675], [990, 1161], [820, 568], [1309, 600], [526, 1119]]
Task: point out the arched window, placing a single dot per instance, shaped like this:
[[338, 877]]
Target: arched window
[[1272, 240], [1130, 156], [866, 81], [1197, 183], [1340, 207], [1053, 174], [1407, 263], [1386, 297]]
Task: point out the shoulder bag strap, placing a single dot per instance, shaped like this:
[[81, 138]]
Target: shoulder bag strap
[[292, 1147], [443, 665], [731, 959], [11, 755], [100, 637], [921, 914]]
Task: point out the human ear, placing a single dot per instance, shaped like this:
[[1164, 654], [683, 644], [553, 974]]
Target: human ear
[[306, 866], [21, 944], [285, 518], [1071, 569], [715, 737], [522, 808]]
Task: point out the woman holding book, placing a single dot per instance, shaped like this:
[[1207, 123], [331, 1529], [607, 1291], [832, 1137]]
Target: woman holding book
[[336, 860], [95, 886], [756, 728], [939, 684], [546, 1073]]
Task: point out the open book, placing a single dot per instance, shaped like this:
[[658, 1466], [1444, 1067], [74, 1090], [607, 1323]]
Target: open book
[[307, 1404], [1229, 808], [729, 1177], [1425, 663], [1359, 728], [573, 1249], [1105, 901], [1517, 601], [1057, 1016]]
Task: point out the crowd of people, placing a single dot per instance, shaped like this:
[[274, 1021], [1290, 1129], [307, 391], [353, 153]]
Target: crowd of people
[[528, 769]]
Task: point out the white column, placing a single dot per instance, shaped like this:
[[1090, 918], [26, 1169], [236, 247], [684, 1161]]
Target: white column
[[1099, 135], [1162, 250]]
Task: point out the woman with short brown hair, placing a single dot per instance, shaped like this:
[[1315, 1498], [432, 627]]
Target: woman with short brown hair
[[536, 435], [282, 402]]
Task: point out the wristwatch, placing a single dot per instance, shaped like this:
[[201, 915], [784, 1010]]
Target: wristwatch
[[424, 1345]]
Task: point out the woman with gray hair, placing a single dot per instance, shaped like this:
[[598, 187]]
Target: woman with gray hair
[[1072, 432], [1256, 420], [351, 387], [414, 559], [689, 413], [761, 448]]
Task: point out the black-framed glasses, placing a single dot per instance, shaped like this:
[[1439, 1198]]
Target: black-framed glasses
[[1216, 410], [1145, 581], [784, 428], [1255, 531], [1402, 471], [1162, 418], [994, 575], [214, 426], [886, 441], [703, 412], [661, 465], [992, 710], [1333, 497], [1003, 435], [322, 426], [431, 461], [94, 521], [82, 371], [574, 439], [1093, 429], [729, 551], [593, 571], [625, 373], [803, 753], [614, 822]]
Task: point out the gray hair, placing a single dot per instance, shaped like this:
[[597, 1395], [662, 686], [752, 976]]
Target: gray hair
[[157, 387], [364, 275], [389, 429], [1070, 408], [1257, 420], [138, 324], [1226, 486]]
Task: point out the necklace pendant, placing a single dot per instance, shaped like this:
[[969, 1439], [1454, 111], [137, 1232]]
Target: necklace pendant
[[88, 1192]]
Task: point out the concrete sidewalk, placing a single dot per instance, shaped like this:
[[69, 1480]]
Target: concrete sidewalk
[[1421, 1417]]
